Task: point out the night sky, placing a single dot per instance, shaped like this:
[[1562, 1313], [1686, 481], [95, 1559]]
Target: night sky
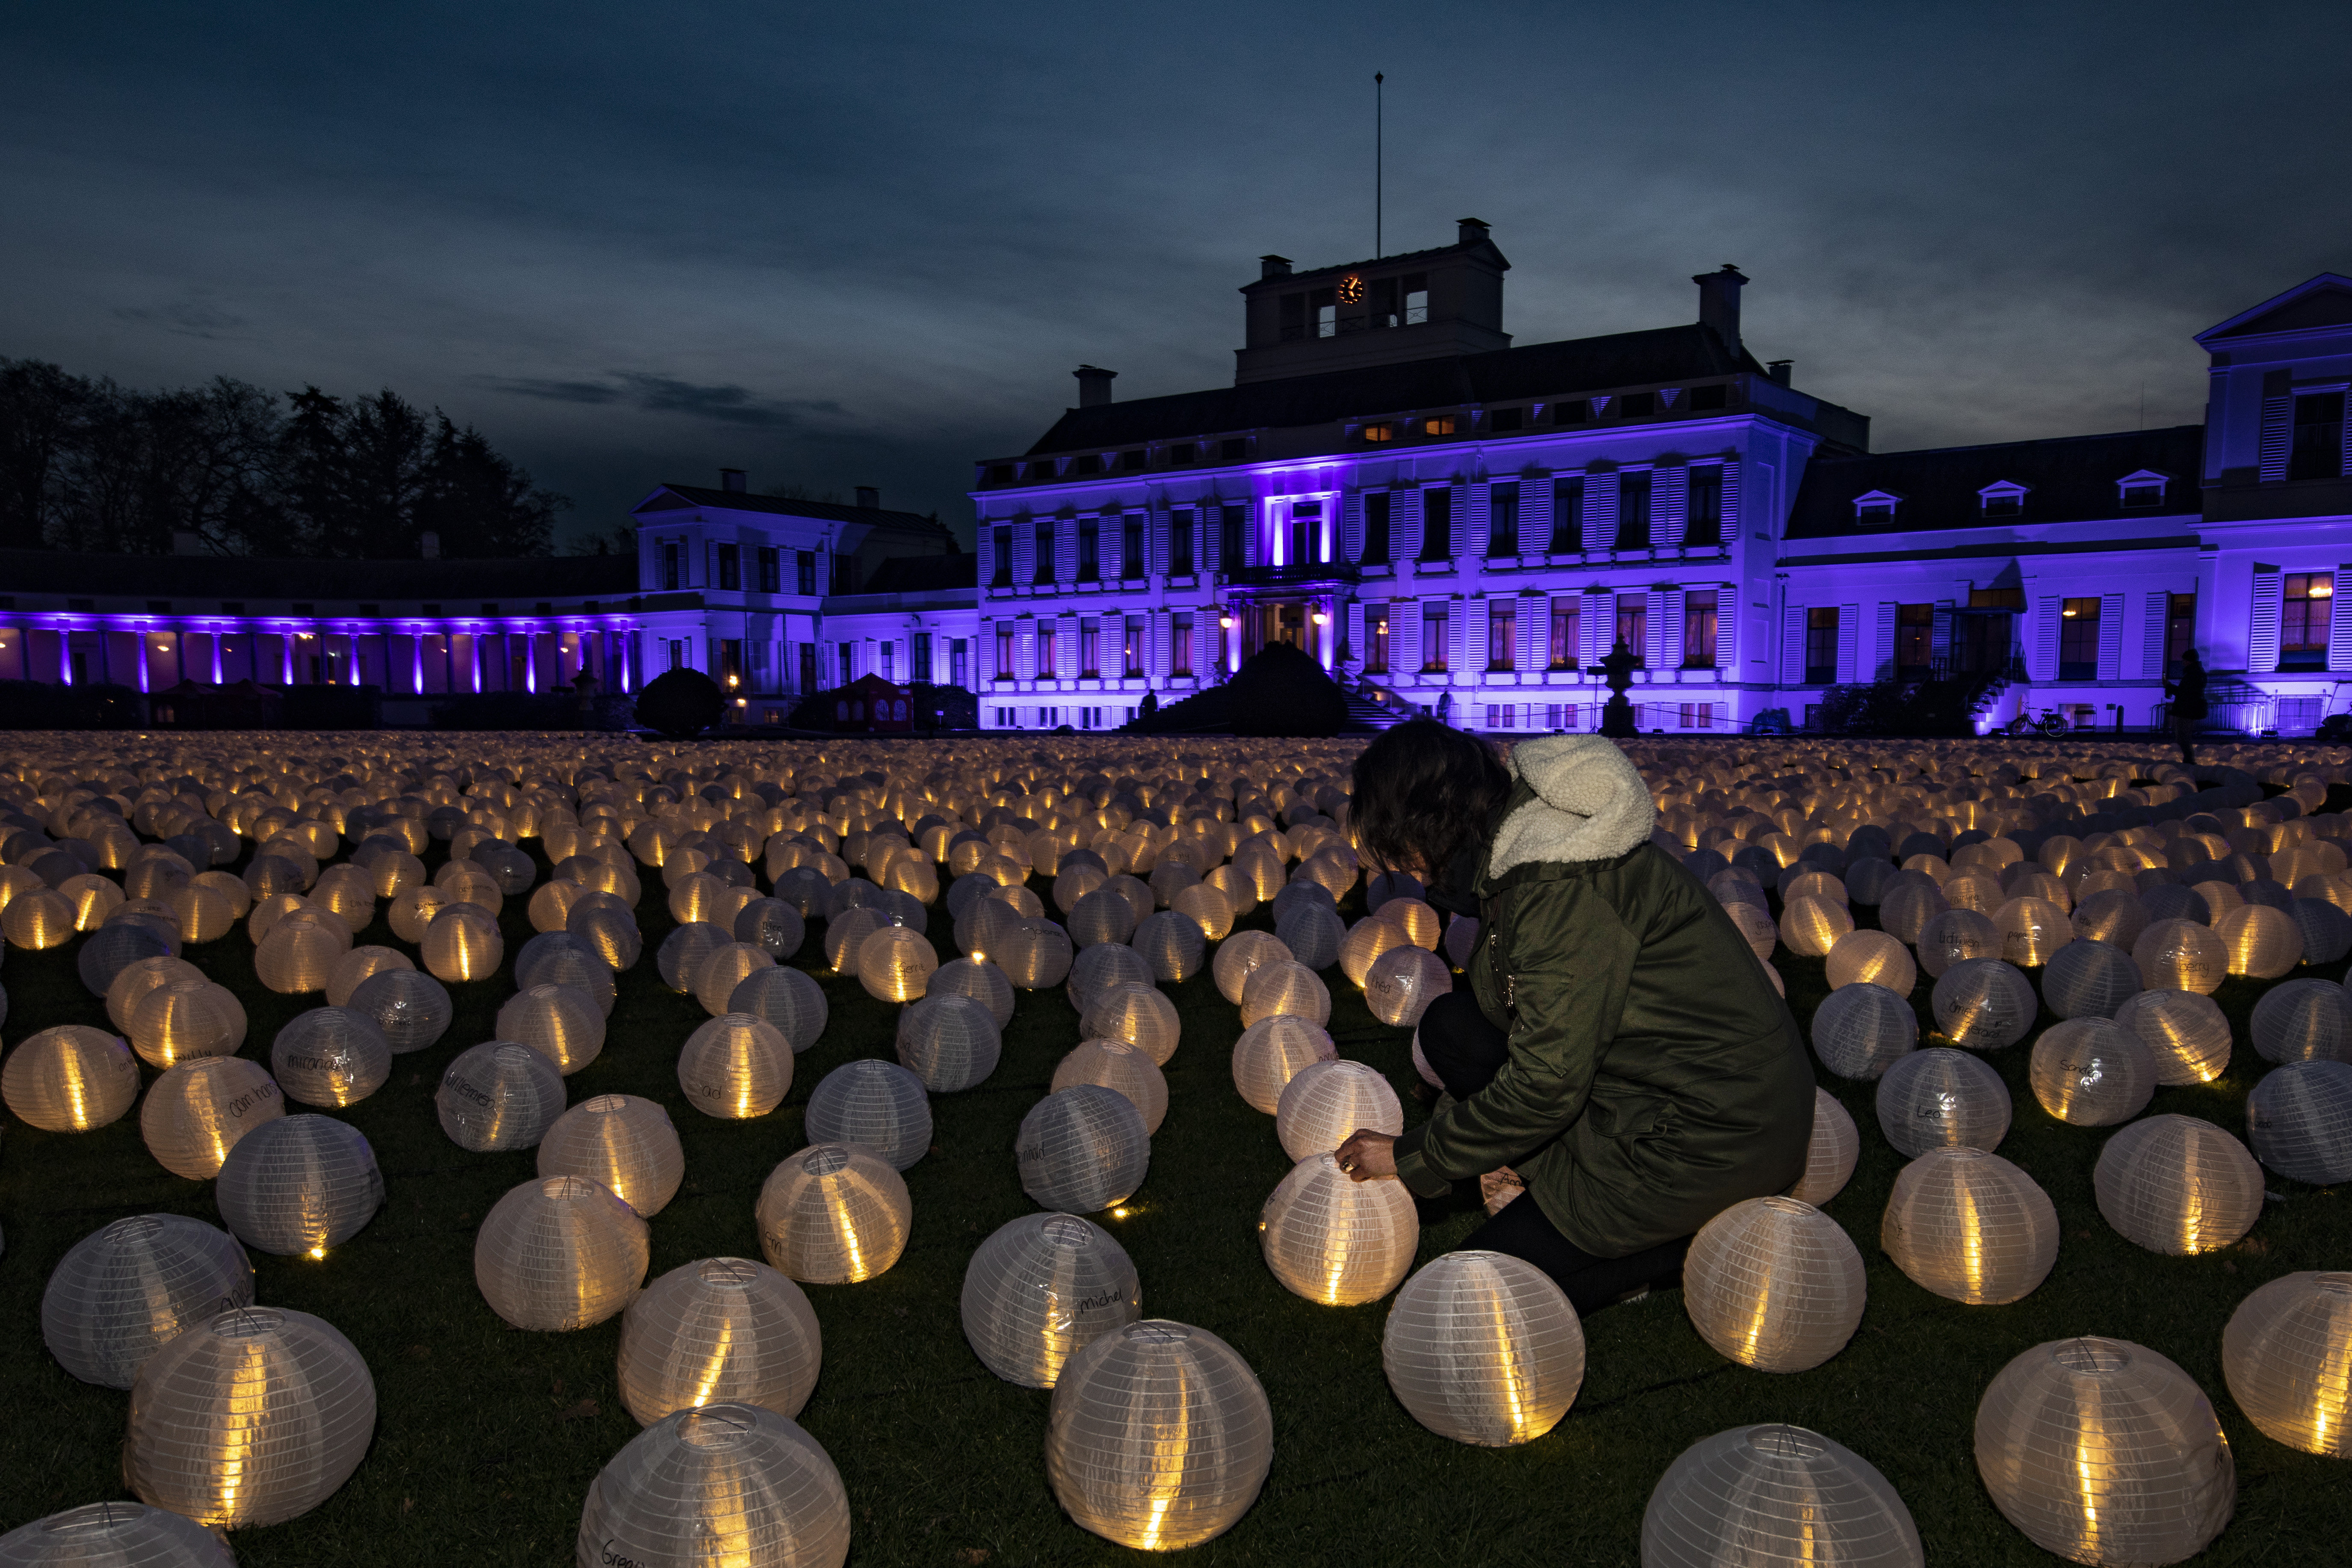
[[866, 244]]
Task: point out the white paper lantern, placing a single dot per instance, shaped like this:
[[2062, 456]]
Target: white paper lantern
[[1034, 953], [2299, 1120], [1099, 968], [2103, 1451], [1313, 933], [134, 980], [498, 1095], [2181, 955], [1830, 1154], [1484, 1348], [70, 1078], [834, 1214], [1041, 1289], [1773, 1283], [1241, 955], [1115, 1064], [185, 1018], [196, 1112], [2287, 1356], [1159, 1437], [2296, 1021], [413, 1009], [724, 967], [1812, 926], [123, 1291], [114, 1535], [1970, 1227], [1142, 1015], [2185, 1032], [2092, 1072], [719, 1330], [787, 998], [896, 964], [623, 1141], [1175, 946], [253, 1417], [1367, 940], [299, 1184], [1861, 1030], [2088, 979], [2262, 942], [330, 1057], [1082, 1149], [719, 1483], [559, 1253], [1871, 958], [680, 959], [951, 1042], [1403, 982], [1273, 1051], [736, 1065], [1326, 1102], [356, 965], [566, 959], [1336, 1240], [463, 944], [1942, 1099], [876, 1104], [2176, 1185], [1955, 936], [1984, 1003], [1775, 1494]]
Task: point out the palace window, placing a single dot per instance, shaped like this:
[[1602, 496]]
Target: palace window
[[1183, 452], [1000, 546], [1043, 559], [1502, 634], [1704, 526], [1089, 550], [2180, 630], [771, 570], [1567, 626], [1131, 563], [1915, 634], [805, 563], [1006, 667], [1575, 411], [1379, 433], [1377, 505], [1633, 510], [1634, 624], [1131, 462], [919, 656], [1180, 642], [2141, 491], [2004, 500], [2318, 449], [1637, 405], [1433, 639], [2303, 615], [1503, 514], [1179, 542], [1089, 647], [1045, 667], [1821, 645], [1437, 524], [1698, 629], [1502, 421], [2078, 639], [1875, 507], [1568, 515], [1376, 640], [1131, 641], [1438, 425]]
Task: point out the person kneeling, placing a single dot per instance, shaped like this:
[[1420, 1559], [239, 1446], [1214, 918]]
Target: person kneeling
[[1621, 1047]]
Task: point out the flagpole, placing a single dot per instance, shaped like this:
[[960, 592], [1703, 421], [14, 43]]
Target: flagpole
[[1379, 139]]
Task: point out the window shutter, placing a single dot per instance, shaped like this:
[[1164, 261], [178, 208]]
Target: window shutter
[[1065, 550], [1793, 644], [1535, 513], [1067, 659], [1669, 505], [1404, 635], [1939, 637], [1848, 633], [986, 551], [2111, 636], [1730, 501], [2151, 653], [1458, 628], [1024, 550], [2278, 414], [1404, 525], [1156, 523], [1158, 646], [1669, 637], [1598, 625], [1024, 649], [2262, 644], [2045, 639], [2339, 616], [1355, 633], [1727, 621], [1478, 523], [1535, 632], [1351, 537], [1600, 511], [1882, 646]]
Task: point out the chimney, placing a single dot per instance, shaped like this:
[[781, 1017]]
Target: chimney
[[1778, 370], [1274, 267], [429, 546], [1469, 230], [733, 481], [869, 498], [185, 542], [1719, 303], [1093, 385]]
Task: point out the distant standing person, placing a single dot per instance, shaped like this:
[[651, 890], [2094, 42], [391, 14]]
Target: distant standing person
[[2188, 695], [1445, 709], [1149, 706]]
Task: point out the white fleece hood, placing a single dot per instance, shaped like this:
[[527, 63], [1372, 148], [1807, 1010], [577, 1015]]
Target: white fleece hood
[[1590, 804]]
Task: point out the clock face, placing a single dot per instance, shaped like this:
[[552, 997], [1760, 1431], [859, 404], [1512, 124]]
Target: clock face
[[1351, 289]]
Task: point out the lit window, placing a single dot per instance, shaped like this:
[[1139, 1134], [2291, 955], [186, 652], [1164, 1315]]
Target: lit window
[[2078, 639], [1438, 425], [2306, 603], [1381, 432]]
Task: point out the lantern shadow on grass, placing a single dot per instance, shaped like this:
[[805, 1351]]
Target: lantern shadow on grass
[[488, 1437]]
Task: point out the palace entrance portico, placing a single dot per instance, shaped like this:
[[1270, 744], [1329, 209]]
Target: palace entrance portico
[[1304, 606]]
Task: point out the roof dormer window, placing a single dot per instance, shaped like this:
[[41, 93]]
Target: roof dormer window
[[1875, 506], [2006, 498], [2141, 491], [1378, 432]]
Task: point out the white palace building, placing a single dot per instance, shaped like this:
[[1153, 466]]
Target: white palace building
[[1444, 518]]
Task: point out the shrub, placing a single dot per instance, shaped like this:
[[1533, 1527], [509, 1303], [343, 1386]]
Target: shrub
[[680, 702], [40, 705], [528, 710], [1281, 691], [1920, 708]]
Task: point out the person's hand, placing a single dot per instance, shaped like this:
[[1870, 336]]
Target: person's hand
[[1368, 1156]]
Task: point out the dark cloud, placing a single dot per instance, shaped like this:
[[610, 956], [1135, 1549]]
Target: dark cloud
[[190, 317], [727, 404], [552, 391]]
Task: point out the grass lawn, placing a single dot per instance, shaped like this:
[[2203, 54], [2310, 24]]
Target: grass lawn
[[488, 1437]]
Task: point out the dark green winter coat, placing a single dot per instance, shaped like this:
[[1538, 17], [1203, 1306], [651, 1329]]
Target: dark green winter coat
[[1655, 1076]]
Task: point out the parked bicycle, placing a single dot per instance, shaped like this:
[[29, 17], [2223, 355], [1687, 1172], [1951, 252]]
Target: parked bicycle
[[2050, 722]]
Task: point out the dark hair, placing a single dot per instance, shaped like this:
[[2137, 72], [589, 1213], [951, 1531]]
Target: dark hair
[[1423, 792]]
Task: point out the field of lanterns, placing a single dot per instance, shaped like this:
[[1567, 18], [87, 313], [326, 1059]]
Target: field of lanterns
[[525, 1149]]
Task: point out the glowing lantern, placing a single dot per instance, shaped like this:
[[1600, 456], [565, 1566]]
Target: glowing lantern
[[1241, 956], [1970, 1227], [951, 1042], [70, 1078], [1206, 907], [330, 1055], [680, 959], [39, 918], [252, 1416], [1104, 915], [122, 1293], [1942, 1099], [1285, 988], [1831, 1153], [1142, 1015], [895, 964], [1035, 953], [559, 1253], [1403, 982], [197, 1111], [719, 1483], [357, 965], [1861, 1030], [1082, 1149], [875, 1104], [2285, 1356], [1273, 1051], [1326, 1101], [300, 952], [2298, 1021], [1174, 945], [1872, 958], [1116, 1064], [2262, 942], [412, 1009], [2181, 955], [1774, 1283], [1483, 1348], [772, 926], [1041, 1289], [463, 944], [834, 1214], [2183, 1030], [186, 1018], [787, 998], [2092, 1072], [622, 1141], [2113, 915], [1159, 1437], [1775, 1494], [723, 968], [736, 1065], [1337, 1240], [1984, 1003], [134, 981], [114, 1535], [498, 1095], [2032, 931], [979, 979], [1367, 940], [1812, 926], [2176, 1185], [2089, 979], [2299, 1120], [560, 1022], [1906, 909], [1313, 933], [1099, 968], [2103, 1451], [719, 1330], [299, 1185]]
